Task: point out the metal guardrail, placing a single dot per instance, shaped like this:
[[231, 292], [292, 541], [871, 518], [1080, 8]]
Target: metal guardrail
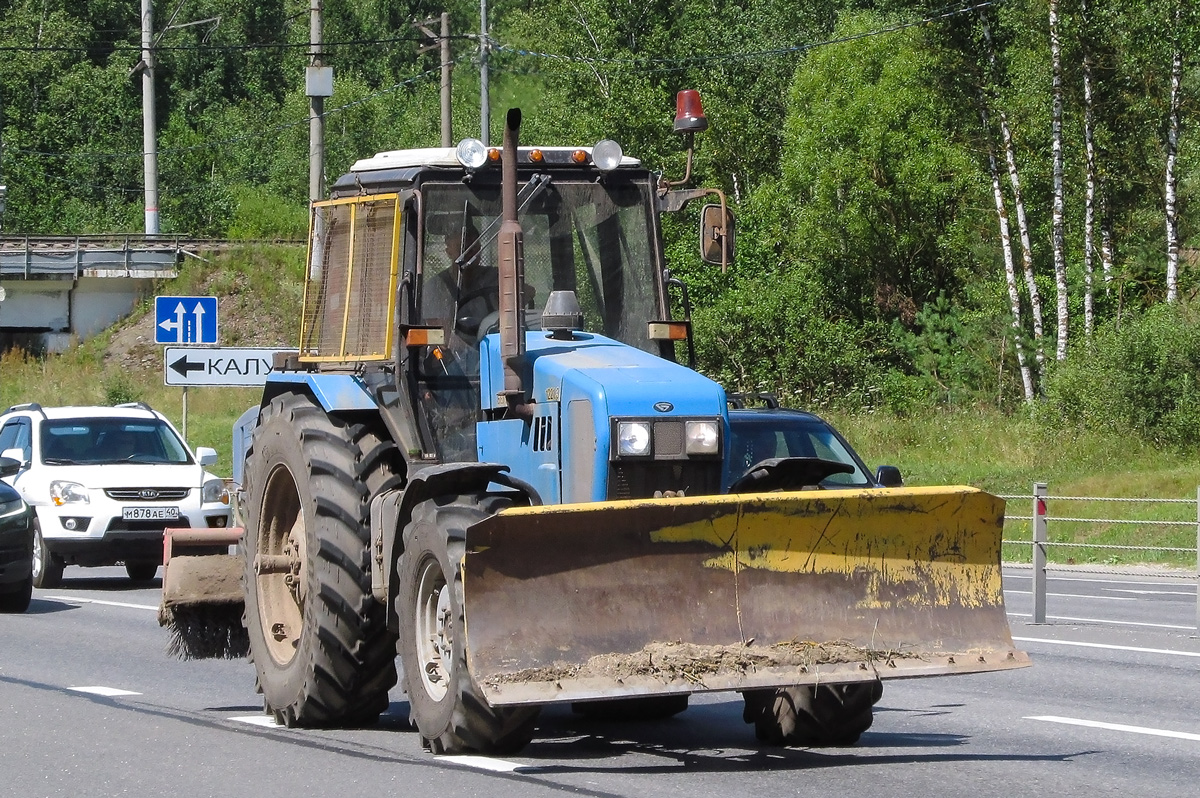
[[105, 255], [1041, 543]]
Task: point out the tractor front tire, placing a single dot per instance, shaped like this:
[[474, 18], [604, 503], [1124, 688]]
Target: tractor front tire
[[322, 653], [812, 716], [446, 704]]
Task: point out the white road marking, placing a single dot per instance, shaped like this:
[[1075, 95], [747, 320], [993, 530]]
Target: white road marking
[[486, 763], [1075, 595], [1152, 592], [1108, 581], [259, 720], [105, 603], [1109, 646], [104, 691], [1103, 620], [1095, 724]]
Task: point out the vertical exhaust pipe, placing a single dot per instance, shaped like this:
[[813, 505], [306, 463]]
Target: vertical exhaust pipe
[[511, 247]]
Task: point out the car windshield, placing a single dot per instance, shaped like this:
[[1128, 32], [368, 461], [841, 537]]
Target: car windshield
[[755, 439], [95, 441]]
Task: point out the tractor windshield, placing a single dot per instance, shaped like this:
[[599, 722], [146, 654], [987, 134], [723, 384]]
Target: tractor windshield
[[591, 238]]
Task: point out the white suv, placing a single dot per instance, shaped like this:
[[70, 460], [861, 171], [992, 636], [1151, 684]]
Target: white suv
[[104, 482]]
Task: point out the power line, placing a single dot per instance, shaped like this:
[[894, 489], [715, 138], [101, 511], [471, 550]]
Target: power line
[[235, 139], [134, 48], [651, 65]]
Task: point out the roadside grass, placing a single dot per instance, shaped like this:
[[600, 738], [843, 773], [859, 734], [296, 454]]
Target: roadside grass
[[260, 292], [1006, 455]]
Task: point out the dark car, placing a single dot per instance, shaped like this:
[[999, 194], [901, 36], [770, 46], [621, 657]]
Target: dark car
[[16, 545], [776, 447]]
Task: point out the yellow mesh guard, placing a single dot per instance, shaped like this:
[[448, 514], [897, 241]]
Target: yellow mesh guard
[[350, 285]]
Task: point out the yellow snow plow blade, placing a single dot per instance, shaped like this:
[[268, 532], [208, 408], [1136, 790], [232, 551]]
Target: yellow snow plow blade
[[735, 592]]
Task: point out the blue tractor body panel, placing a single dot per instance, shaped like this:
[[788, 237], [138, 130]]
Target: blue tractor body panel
[[334, 392], [577, 387]]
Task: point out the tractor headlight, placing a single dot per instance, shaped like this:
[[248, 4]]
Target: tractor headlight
[[471, 153], [214, 491], [63, 492], [702, 437], [606, 155], [633, 438]]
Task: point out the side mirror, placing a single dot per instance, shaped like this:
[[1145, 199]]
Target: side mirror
[[10, 465], [889, 477], [206, 456], [717, 233]]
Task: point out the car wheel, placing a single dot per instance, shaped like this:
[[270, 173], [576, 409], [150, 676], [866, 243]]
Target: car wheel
[[141, 571], [17, 600], [47, 567]]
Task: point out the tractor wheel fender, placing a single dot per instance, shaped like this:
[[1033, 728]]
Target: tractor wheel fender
[[392, 512]]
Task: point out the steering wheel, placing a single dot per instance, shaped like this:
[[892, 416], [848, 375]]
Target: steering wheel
[[468, 324]]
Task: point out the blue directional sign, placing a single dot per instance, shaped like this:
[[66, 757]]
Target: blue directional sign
[[185, 319]]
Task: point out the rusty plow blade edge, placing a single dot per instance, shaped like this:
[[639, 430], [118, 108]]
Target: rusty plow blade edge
[[652, 597]]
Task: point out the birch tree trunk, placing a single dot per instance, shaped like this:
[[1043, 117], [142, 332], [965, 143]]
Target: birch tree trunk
[[1010, 271], [1056, 219], [1089, 200], [1173, 125], [1010, 156]]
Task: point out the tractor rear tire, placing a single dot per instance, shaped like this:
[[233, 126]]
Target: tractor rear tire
[[812, 716], [322, 653], [446, 704]]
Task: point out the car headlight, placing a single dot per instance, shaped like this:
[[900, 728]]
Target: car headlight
[[13, 507], [702, 437], [633, 438], [62, 492], [215, 491]]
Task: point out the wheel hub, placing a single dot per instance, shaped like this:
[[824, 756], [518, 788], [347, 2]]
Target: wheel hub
[[434, 627]]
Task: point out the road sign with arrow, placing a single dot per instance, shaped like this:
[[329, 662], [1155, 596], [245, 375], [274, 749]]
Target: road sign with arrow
[[185, 319], [223, 365]]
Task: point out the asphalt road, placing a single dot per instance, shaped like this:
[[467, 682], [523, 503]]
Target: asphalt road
[[91, 706]]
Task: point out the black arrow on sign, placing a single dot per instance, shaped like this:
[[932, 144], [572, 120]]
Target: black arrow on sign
[[183, 366]]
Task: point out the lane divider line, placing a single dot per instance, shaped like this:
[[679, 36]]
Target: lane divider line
[[1074, 595], [486, 763], [1096, 724], [259, 720], [77, 600], [1151, 592], [1109, 646], [1157, 583], [1104, 620], [108, 692]]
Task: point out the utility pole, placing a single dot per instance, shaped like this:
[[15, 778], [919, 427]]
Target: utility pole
[[149, 124], [443, 45], [318, 84], [485, 111], [446, 132]]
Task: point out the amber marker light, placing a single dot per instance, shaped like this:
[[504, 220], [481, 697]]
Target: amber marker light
[[668, 331], [494, 155], [579, 156], [536, 156]]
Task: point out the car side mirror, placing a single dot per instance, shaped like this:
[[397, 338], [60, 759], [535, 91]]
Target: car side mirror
[[10, 465], [206, 456], [717, 234], [889, 477]]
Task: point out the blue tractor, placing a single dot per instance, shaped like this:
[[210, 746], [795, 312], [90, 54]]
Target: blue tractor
[[486, 459]]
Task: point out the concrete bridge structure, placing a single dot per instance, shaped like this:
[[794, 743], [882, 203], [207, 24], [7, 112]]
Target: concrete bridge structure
[[57, 289]]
